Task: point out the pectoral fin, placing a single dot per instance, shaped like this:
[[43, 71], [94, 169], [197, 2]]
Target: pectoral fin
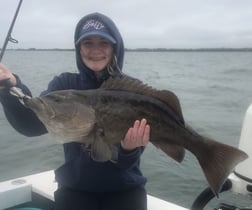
[[101, 151]]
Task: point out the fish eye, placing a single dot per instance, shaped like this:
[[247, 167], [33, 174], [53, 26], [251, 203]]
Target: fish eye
[[57, 98]]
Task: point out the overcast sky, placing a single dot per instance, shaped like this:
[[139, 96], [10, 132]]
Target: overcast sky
[[142, 23]]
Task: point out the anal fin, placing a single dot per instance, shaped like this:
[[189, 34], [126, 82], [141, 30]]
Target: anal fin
[[174, 151]]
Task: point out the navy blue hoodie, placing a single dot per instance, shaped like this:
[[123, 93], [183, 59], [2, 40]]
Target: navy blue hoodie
[[79, 171]]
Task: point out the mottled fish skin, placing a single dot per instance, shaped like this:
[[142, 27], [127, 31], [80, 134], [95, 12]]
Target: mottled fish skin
[[101, 117], [69, 122]]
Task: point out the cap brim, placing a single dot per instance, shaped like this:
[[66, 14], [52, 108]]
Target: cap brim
[[96, 33]]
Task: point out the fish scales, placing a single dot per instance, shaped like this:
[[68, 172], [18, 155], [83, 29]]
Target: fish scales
[[112, 107]]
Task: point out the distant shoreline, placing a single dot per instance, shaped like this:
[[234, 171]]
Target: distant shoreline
[[152, 49]]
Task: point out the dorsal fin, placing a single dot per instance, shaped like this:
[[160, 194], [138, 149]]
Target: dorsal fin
[[130, 84]]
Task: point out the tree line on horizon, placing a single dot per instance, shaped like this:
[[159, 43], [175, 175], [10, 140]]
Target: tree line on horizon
[[141, 49]]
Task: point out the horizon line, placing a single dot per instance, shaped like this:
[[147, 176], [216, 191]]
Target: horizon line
[[143, 49]]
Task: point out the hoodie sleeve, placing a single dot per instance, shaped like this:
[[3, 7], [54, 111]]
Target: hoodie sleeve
[[24, 120], [21, 118], [127, 160]]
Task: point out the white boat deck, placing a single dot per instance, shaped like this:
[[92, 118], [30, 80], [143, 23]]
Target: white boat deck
[[18, 191]]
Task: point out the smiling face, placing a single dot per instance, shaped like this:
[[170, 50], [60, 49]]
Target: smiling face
[[96, 52]]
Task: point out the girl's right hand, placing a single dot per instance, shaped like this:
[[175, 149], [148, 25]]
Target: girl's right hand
[[5, 73], [137, 136]]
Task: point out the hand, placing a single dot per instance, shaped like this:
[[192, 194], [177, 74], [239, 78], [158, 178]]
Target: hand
[[137, 136], [5, 73]]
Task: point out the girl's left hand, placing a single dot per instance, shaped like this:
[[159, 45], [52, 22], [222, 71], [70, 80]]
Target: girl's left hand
[[137, 136]]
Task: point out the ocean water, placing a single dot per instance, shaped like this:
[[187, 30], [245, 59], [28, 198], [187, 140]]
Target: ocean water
[[214, 89]]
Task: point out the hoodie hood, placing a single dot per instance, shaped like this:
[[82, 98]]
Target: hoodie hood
[[113, 31]]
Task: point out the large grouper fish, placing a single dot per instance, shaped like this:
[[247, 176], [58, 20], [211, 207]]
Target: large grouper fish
[[101, 118]]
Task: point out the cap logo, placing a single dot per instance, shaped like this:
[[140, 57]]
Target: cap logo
[[93, 24]]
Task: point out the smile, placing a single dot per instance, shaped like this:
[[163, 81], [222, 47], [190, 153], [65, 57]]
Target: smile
[[97, 58]]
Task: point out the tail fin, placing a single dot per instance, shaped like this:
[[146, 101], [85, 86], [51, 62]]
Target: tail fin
[[217, 161]]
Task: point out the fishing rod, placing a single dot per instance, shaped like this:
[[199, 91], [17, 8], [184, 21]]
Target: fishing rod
[[8, 37], [6, 82]]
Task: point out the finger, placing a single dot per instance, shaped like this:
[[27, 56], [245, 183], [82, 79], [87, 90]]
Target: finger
[[128, 135], [135, 131], [5, 73], [141, 129], [126, 143], [146, 135], [3, 69]]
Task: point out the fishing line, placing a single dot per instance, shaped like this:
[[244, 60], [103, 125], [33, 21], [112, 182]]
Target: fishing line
[[9, 37]]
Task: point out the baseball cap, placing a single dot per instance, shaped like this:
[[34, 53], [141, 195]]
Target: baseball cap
[[94, 27]]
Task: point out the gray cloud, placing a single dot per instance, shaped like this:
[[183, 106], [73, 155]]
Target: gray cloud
[[143, 23]]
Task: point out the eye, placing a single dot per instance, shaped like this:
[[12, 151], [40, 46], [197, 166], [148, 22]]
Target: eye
[[101, 43], [105, 43], [87, 43], [57, 98]]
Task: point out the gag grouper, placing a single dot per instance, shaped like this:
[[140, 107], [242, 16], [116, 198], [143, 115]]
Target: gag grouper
[[101, 118]]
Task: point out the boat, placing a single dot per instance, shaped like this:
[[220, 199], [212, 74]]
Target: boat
[[36, 191]]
